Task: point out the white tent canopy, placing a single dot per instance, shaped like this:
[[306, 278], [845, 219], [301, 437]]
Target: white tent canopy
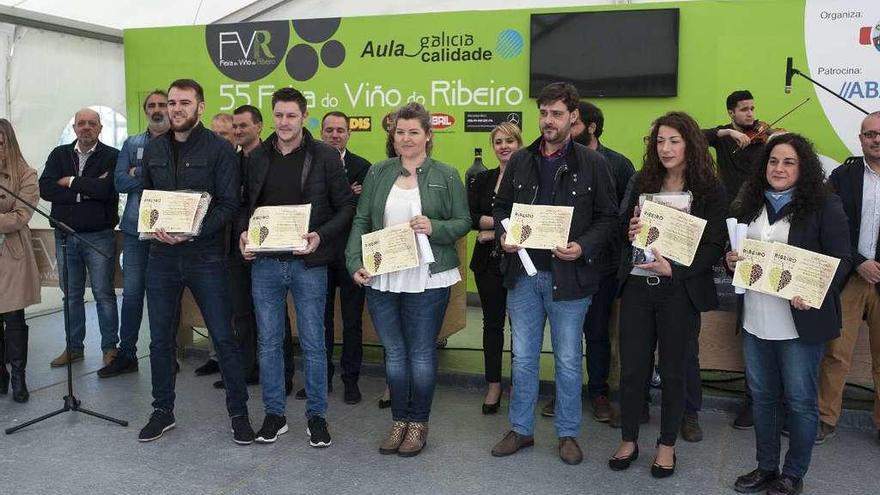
[[62, 55]]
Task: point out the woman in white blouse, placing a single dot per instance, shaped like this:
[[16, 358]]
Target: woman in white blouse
[[786, 200], [407, 307]]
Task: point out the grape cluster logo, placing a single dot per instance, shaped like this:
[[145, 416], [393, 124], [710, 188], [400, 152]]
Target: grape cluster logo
[[250, 51], [303, 60]]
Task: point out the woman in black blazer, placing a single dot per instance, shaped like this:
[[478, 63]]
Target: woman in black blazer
[[661, 301], [787, 201], [485, 262]]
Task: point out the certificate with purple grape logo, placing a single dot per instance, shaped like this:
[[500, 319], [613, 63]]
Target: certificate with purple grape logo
[[278, 228], [539, 226]]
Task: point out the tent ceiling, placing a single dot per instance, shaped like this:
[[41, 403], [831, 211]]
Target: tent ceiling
[[123, 14]]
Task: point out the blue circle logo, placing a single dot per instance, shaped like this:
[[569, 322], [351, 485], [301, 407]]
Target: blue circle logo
[[509, 44]]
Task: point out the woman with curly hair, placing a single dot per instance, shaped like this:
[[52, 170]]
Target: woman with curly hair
[[787, 201], [661, 300]]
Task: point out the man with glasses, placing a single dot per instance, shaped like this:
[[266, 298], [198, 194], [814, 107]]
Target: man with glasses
[[857, 182]]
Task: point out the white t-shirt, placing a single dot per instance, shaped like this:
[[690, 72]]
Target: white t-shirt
[[398, 209], [768, 317]]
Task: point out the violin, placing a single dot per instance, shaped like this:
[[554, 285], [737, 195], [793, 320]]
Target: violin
[[761, 132]]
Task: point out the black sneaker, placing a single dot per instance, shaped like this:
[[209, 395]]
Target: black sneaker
[[160, 422], [242, 433], [273, 426], [119, 366], [317, 431], [352, 394], [209, 368]]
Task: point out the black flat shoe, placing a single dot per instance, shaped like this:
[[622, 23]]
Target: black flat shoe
[[659, 471], [621, 463], [384, 404], [493, 408]]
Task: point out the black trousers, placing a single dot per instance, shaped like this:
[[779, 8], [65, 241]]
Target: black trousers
[[493, 299], [693, 383], [351, 298], [649, 313], [244, 321], [13, 340], [598, 337]]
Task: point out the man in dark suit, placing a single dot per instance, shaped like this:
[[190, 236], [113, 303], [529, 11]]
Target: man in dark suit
[[335, 132], [857, 182]]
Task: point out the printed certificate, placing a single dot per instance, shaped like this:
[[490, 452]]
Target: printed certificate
[[389, 250], [539, 226], [786, 271], [278, 228], [752, 271], [676, 234], [176, 212]]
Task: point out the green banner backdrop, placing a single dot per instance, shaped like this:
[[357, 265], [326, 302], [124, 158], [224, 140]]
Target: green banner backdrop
[[465, 65]]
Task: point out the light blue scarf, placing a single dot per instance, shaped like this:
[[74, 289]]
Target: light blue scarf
[[778, 199]]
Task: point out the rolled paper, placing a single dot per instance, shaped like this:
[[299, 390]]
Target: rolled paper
[[523, 254], [424, 245], [731, 232], [740, 238]]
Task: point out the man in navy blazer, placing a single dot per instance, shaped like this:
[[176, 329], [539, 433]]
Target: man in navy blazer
[[857, 182]]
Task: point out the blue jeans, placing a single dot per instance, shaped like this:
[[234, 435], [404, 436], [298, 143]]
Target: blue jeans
[[205, 275], [783, 374], [81, 259], [134, 270], [530, 304], [271, 280], [408, 325]]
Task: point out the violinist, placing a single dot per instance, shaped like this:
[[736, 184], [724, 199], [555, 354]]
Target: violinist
[[739, 143]]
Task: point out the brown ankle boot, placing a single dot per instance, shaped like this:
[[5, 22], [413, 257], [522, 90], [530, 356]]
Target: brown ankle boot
[[393, 438], [415, 440]]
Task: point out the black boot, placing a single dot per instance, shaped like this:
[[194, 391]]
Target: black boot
[[4, 373], [16, 350]]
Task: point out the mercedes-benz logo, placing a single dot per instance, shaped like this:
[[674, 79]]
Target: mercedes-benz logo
[[513, 119]]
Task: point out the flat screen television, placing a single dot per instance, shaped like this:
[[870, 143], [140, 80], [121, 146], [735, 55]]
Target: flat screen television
[[612, 53]]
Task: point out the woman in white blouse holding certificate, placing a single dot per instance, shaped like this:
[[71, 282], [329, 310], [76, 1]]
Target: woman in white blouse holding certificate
[[786, 200], [407, 306]]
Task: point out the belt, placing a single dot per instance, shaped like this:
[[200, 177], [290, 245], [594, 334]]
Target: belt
[[651, 280]]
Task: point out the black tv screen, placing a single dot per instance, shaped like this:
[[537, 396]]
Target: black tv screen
[[617, 53]]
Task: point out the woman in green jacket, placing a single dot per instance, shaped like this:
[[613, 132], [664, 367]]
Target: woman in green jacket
[[407, 306]]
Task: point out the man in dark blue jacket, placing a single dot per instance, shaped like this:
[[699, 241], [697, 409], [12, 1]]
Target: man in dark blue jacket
[[78, 181], [127, 178], [191, 157]]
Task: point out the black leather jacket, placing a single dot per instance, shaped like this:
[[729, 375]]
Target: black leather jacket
[[583, 182]]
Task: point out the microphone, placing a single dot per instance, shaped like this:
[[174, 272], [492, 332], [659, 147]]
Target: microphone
[[789, 71]]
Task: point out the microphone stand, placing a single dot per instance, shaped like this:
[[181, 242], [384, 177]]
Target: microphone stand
[[817, 83], [71, 403]]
